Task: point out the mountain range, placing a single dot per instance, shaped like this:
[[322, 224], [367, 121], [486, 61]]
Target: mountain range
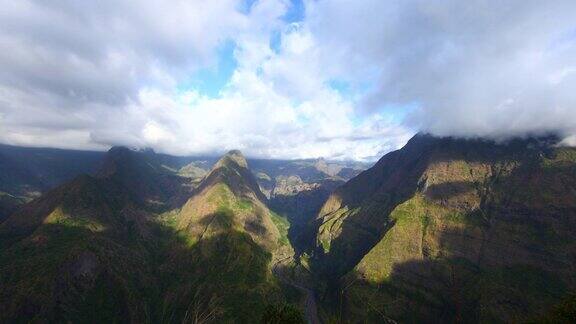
[[450, 230], [26, 173], [442, 230], [144, 236]]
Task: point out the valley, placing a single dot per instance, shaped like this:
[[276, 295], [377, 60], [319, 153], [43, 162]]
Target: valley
[[437, 229], [287, 162], [175, 244]]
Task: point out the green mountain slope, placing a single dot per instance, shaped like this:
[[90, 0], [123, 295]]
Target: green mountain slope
[[118, 248], [229, 198], [74, 255], [234, 238], [26, 173], [453, 230]]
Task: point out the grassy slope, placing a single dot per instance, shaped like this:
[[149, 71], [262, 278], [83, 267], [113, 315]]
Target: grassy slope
[[164, 277], [45, 276], [434, 261], [224, 262]]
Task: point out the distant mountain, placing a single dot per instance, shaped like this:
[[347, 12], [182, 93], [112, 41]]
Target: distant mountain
[[272, 174], [449, 230], [9, 204], [298, 189], [118, 247], [143, 175], [26, 173]]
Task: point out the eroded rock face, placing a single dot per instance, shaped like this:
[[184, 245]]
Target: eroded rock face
[[292, 185], [454, 229]]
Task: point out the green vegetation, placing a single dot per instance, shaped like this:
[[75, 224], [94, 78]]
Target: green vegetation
[[505, 291], [230, 267], [245, 204], [470, 250], [282, 314], [563, 156], [332, 226], [283, 225], [31, 268]]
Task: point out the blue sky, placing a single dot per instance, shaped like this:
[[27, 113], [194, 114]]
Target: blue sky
[[212, 79]]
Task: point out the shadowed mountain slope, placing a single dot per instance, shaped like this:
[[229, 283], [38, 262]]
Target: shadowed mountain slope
[[149, 182], [453, 230], [79, 252], [105, 248], [74, 255], [28, 172]]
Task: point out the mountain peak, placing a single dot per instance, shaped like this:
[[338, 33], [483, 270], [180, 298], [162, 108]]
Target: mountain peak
[[232, 169], [234, 152], [141, 174], [229, 199], [116, 158], [233, 156]]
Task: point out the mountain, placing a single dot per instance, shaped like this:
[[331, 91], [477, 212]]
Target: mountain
[[298, 189], [144, 176], [73, 255], [124, 246], [277, 176], [80, 251], [9, 204], [229, 198], [443, 230], [235, 239], [26, 173], [452, 230]]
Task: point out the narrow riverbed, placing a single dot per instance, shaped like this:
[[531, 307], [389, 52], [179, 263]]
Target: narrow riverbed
[[311, 309]]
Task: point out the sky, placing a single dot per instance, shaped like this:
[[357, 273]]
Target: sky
[[339, 79]]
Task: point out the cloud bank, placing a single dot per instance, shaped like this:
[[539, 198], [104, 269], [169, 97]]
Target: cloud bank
[[475, 68], [349, 79]]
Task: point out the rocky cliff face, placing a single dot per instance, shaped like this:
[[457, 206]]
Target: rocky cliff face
[[454, 230]]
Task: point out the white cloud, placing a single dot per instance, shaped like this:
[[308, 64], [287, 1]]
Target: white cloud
[[83, 75], [475, 68]]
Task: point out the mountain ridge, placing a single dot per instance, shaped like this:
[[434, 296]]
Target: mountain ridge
[[230, 193], [482, 213], [96, 235]]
